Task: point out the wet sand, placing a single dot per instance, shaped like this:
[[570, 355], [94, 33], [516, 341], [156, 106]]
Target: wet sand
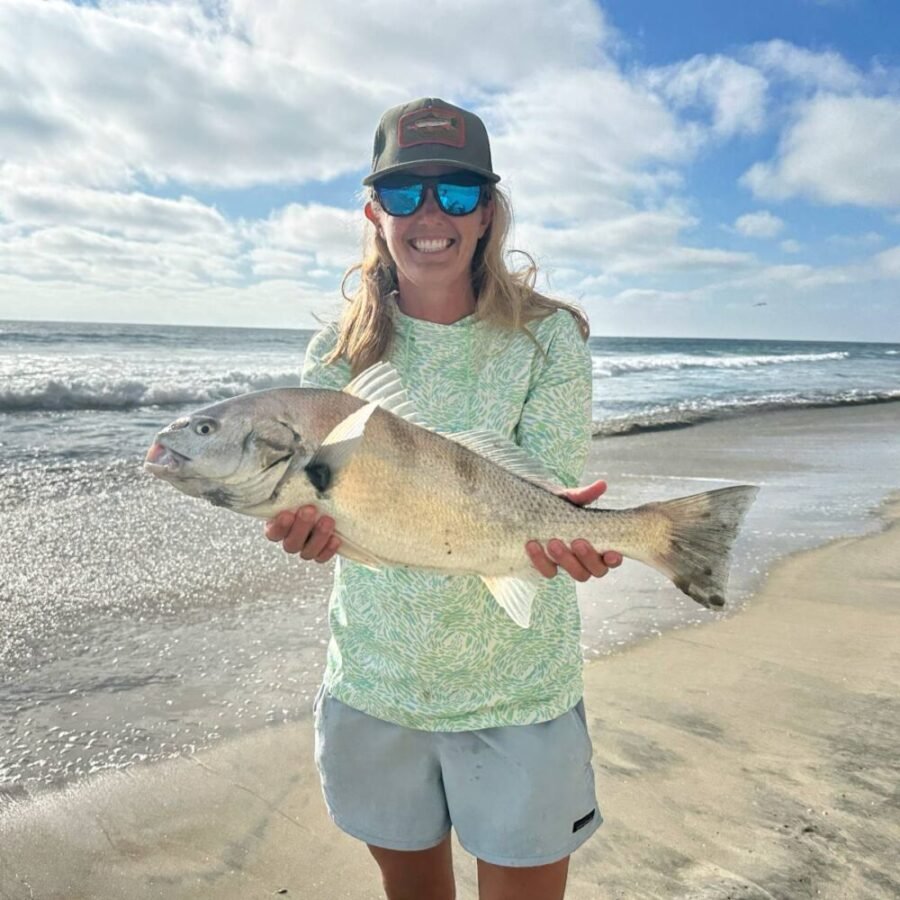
[[753, 757]]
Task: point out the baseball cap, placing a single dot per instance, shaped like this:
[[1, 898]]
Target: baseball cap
[[430, 130]]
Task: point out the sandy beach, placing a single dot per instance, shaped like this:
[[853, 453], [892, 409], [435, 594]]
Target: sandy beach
[[751, 757]]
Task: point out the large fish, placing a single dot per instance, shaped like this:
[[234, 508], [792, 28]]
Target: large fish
[[403, 495]]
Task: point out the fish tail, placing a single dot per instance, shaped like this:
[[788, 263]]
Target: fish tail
[[697, 535]]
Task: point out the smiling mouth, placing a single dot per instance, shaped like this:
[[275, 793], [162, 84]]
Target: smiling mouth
[[431, 245]]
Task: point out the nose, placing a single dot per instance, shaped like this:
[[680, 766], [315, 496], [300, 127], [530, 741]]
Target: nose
[[430, 205]]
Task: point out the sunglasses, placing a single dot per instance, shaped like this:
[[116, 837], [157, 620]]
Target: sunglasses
[[457, 194]]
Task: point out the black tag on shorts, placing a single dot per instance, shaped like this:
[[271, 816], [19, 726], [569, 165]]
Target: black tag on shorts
[[580, 823]]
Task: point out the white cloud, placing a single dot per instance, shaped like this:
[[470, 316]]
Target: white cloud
[[791, 246], [734, 93], [869, 239], [826, 70], [276, 302], [643, 295], [101, 99], [641, 243], [582, 142], [761, 224], [330, 237], [100, 259], [841, 150], [133, 214], [410, 51], [888, 262]]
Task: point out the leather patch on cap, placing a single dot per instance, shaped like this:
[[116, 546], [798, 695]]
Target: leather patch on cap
[[433, 125]]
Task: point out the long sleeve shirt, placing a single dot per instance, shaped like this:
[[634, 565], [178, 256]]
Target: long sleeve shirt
[[433, 651]]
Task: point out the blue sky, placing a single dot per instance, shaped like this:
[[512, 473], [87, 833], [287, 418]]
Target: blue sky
[[680, 169]]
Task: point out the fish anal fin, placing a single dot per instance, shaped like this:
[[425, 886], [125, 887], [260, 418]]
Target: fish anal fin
[[352, 551], [515, 594]]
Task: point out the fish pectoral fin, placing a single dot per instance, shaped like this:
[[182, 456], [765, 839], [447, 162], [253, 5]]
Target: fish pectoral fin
[[515, 594], [354, 552], [341, 443]]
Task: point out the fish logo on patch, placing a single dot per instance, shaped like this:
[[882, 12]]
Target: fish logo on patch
[[433, 125]]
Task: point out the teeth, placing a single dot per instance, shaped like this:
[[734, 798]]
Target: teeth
[[432, 245]]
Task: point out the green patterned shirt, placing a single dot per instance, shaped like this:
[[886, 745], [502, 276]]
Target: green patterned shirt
[[436, 652]]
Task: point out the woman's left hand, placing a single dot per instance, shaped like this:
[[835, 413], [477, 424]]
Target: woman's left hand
[[580, 560]]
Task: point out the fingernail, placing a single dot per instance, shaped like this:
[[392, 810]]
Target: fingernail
[[308, 513]]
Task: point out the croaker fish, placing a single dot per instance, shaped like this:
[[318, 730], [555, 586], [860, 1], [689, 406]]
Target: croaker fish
[[403, 495]]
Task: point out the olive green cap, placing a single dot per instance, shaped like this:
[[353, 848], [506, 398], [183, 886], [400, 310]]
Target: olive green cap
[[430, 131]]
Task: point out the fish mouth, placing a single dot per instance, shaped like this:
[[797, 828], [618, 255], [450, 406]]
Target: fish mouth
[[162, 460]]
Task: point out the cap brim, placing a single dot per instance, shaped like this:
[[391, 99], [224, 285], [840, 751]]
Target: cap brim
[[415, 164]]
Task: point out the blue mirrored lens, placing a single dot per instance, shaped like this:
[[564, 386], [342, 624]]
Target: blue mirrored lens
[[458, 199], [400, 201]]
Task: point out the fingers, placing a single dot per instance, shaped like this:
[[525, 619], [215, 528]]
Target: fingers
[[301, 532], [332, 547], [576, 565], [585, 494], [612, 558], [318, 539], [276, 529], [581, 561], [540, 560]]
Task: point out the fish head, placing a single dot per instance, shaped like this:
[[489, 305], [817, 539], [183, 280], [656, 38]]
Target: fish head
[[235, 453]]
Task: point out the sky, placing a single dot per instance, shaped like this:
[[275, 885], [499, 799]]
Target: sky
[[681, 169]]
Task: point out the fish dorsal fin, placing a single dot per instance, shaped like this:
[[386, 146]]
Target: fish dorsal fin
[[508, 454], [381, 384], [339, 445], [515, 594]]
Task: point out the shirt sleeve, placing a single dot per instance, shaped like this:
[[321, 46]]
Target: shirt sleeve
[[555, 425], [316, 372]]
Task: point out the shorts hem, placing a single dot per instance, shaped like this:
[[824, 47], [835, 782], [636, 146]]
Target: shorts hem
[[523, 862], [386, 843]]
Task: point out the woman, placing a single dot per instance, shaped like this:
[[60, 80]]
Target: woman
[[436, 709]]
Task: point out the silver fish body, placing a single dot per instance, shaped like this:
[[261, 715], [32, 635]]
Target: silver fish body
[[403, 495]]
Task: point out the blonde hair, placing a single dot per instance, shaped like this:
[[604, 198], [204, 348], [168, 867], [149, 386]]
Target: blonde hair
[[504, 298]]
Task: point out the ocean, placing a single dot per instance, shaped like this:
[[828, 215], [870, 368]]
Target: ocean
[[137, 624]]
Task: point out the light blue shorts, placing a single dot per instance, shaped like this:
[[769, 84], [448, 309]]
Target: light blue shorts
[[521, 795]]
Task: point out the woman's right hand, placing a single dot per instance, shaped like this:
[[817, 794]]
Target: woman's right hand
[[300, 531]]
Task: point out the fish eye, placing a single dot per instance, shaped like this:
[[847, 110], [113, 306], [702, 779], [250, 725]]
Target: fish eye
[[205, 427]]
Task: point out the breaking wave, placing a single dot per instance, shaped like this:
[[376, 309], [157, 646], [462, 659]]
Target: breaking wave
[[132, 393], [609, 368], [689, 413]]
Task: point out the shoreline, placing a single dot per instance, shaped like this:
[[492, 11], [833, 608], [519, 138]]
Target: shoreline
[[751, 757]]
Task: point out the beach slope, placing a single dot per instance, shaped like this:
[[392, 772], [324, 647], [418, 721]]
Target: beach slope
[[755, 757]]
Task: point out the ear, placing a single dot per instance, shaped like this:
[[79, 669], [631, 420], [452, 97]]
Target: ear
[[371, 215]]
